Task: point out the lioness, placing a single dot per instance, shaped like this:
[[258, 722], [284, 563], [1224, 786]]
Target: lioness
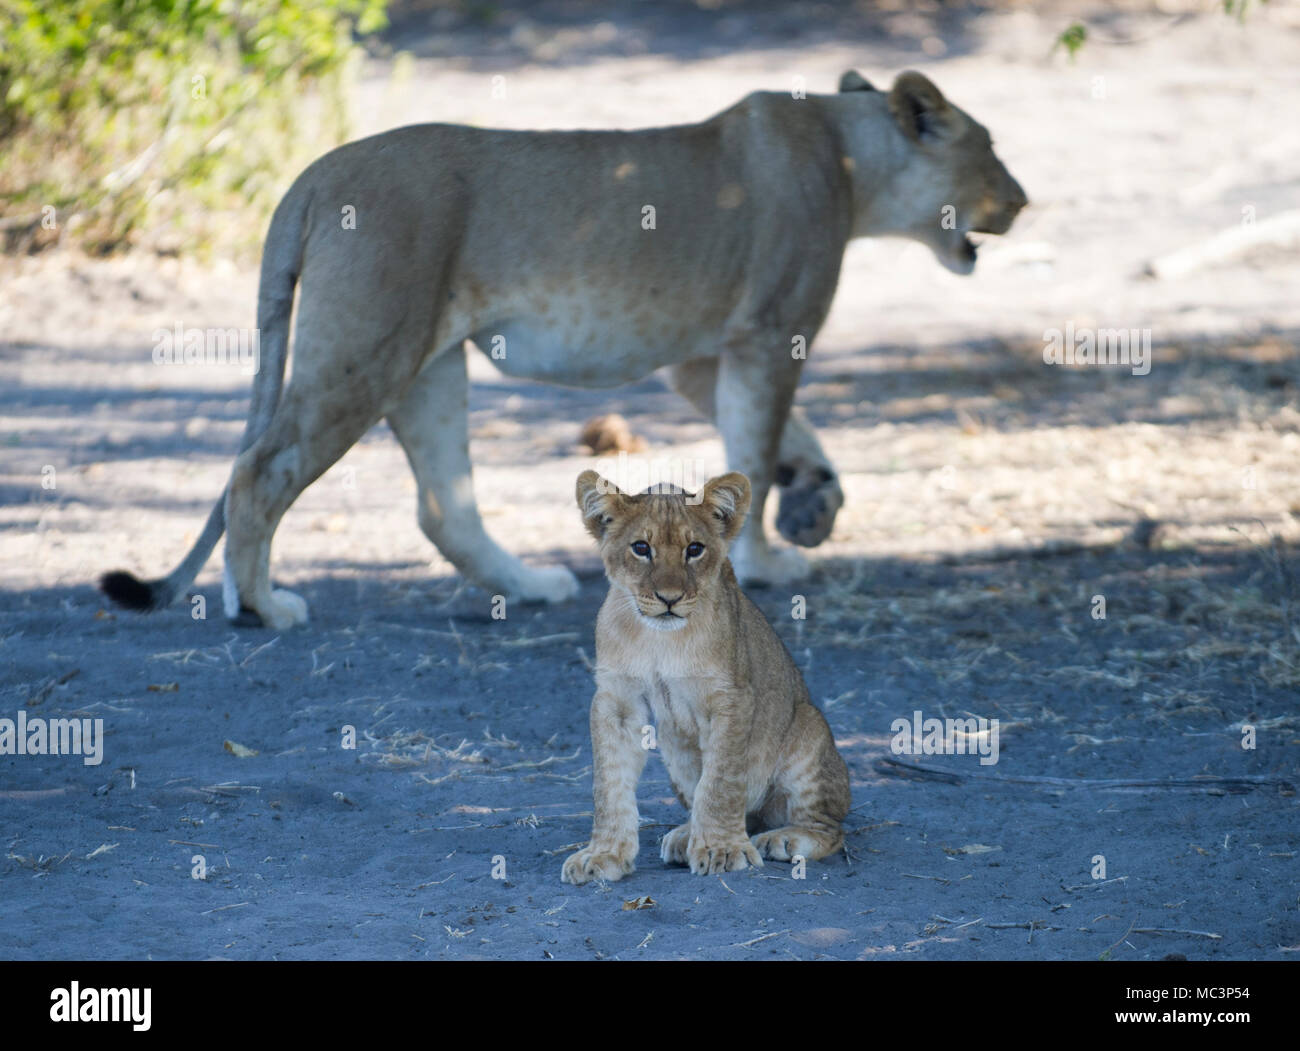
[[710, 250], [743, 744]]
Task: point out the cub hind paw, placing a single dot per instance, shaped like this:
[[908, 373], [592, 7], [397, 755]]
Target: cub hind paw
[[783, 844], [672, 849]]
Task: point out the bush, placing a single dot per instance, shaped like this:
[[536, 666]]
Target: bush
[[166, 122]]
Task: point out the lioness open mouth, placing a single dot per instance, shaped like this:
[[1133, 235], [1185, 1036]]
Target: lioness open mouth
[[970, 246]]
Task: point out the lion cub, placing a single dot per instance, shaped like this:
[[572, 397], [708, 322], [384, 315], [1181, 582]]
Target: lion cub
[[677, 638]]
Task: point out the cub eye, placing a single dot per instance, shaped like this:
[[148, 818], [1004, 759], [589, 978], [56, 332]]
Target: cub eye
[[641, 548], [694, 549]]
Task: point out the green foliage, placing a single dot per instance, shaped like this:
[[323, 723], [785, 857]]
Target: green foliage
[[1072, 39], [1238, 7], [170, 122], [1076, 34]]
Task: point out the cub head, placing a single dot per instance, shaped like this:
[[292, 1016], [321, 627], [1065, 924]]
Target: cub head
[[664, 548], [944, 183]]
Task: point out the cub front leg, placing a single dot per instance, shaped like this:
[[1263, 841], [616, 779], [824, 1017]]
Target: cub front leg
[[617, 761], [718, 841]]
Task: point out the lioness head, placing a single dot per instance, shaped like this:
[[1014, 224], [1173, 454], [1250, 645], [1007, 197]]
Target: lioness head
[[944, 180], [665, 547]]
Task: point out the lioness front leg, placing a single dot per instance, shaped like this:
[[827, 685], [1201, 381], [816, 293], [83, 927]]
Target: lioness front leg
[[809, 487], [718, 841], [753, 397], [432, 425], [617, 761]]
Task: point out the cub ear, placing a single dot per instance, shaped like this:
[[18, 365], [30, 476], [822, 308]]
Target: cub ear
[[855, 81], [727, 499], [918, 106], [600, 502]]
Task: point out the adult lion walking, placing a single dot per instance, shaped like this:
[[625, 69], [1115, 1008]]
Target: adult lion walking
[[592, 258]]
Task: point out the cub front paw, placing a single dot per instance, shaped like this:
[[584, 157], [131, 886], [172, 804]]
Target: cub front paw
[[589, 864], [810, 498], [707, 857]]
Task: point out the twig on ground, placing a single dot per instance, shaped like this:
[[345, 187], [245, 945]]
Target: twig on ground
[[1236, 785], [761, 938]]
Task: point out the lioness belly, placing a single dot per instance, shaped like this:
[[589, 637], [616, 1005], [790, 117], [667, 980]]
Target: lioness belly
[[584, 344]]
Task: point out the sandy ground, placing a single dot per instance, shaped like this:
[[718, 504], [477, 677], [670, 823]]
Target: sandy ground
[[990, 498]]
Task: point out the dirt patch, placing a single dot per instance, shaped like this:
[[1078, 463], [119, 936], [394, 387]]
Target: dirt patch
[[991, 501]]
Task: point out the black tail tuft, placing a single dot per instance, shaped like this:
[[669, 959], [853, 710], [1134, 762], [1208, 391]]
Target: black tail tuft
[[129, 591]]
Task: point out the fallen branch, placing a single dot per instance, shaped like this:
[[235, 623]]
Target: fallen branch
[[1094, 886], [47, 687], [1175, 930], [1236, 785], [761, 938], [1277, 231]]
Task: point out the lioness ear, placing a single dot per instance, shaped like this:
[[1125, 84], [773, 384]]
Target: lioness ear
[[600, 502], [727, 499], [855, 81], [918, 106]]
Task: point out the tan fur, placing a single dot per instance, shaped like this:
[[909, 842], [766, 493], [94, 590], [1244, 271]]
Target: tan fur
[[678, 643], [536, 246]]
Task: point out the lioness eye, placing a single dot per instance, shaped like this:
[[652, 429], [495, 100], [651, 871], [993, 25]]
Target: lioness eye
[[694, 549], [641, 548]]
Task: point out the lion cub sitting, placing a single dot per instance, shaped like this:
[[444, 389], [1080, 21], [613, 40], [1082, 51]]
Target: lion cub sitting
[[676, 637]]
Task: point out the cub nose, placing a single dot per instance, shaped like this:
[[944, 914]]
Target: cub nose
[[668, 600]]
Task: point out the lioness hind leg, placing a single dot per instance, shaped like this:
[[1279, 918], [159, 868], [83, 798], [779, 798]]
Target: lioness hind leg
[[811, 794], [432, 424], [306, 436]]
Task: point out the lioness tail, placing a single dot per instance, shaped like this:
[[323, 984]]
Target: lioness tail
[[281, 260]]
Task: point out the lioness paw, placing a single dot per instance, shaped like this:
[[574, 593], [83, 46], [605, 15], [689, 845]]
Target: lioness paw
[[765, 566], [545, 584], [810, 499], [591, 864], [708, 858], [284, 611]]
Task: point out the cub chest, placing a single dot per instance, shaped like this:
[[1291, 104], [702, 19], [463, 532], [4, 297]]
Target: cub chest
[[679, 704]]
